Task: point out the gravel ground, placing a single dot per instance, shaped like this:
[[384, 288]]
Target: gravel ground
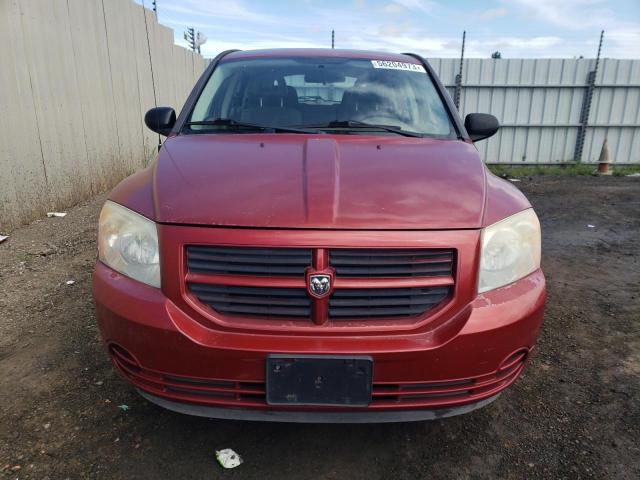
[[575, 413]]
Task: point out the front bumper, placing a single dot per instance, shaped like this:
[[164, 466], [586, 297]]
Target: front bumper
[[293, 416], [176, 361]]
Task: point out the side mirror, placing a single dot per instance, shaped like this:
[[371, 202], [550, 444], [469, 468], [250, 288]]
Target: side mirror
[[481, 125], [160, 119]]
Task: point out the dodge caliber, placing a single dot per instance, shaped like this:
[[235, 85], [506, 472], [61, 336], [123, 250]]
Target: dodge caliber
[[318, 240]]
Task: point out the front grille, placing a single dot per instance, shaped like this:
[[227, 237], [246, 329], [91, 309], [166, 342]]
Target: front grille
[[254, 301], [392, 262], [248, 260], [388, 302], [270, 282]]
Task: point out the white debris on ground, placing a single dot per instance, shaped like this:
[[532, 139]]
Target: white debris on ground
[[56, 214], [633, 175], [70, 282], [590, 226], [228, 458], [3, 238], [514, 179]]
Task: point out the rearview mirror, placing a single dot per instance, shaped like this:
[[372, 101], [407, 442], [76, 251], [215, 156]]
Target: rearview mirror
[[323, 76], [481, 125], [160, 119]]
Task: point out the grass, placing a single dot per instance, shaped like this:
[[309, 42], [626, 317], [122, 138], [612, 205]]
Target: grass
[[25, 258], [557, 170]]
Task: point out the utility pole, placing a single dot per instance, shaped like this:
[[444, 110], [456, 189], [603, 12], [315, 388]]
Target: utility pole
[[333, 37], [195, 39], [190, 37]]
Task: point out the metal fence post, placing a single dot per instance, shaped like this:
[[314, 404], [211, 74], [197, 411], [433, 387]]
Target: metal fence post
[[586, 107], [458, 83]]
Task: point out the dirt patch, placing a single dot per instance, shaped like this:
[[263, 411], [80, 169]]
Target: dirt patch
[[574, 413]]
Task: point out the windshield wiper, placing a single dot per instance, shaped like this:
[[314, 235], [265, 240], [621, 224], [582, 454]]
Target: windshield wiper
[[230, 122], [356, 125]]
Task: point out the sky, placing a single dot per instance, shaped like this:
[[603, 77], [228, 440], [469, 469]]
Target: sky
[[432, 28]]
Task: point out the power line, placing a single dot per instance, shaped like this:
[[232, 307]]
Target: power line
[[153, 79]]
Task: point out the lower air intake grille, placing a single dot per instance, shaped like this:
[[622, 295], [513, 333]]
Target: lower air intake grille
[[385, 302], [254, 301]]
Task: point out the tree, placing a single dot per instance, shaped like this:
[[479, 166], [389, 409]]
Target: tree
[[496, 54]]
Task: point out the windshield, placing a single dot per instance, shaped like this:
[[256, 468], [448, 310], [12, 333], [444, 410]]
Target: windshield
[[340, 94]]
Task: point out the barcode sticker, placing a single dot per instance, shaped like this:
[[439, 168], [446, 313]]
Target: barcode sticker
[[391, 65]]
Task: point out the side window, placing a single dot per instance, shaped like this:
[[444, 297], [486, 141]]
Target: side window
[[430, 110], [231, 96], [202, 108]]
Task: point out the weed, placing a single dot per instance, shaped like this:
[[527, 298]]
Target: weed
[[557, 170]]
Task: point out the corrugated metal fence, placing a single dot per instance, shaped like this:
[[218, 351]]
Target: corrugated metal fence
[[539, 104], [76, 78], [78, 75]]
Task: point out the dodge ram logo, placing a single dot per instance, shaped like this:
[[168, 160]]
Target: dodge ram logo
[[319, 285]]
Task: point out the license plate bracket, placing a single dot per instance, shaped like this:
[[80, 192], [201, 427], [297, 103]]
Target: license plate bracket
[[321, 380]]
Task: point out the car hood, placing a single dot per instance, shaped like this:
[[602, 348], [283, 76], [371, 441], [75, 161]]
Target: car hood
[[319, 181]]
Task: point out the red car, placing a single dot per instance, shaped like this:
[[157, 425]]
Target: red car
[[319, 241]]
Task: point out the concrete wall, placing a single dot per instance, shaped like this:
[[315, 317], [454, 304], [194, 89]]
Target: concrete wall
[[539, 101], [76, 77]]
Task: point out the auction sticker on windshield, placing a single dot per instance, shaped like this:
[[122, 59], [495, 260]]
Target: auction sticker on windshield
[[391, 65]]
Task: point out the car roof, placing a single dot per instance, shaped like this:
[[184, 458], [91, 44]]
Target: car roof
[[319, 53]]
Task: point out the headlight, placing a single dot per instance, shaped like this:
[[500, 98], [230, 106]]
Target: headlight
[[128, 243], [510, 250]]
